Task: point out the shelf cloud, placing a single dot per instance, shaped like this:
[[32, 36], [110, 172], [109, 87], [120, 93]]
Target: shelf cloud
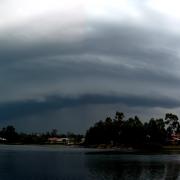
[[61, 55]]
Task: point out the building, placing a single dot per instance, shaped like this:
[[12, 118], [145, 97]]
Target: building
[[56, 140], [175, 138]]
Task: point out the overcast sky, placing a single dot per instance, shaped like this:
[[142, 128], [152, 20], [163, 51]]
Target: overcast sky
[[67, 64]]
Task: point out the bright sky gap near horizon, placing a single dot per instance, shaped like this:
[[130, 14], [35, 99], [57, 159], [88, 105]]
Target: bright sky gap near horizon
[[66, 64]]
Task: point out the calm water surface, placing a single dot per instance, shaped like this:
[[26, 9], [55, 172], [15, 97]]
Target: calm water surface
[[58, 163]]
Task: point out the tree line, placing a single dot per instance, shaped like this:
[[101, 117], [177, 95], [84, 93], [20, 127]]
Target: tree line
[[115, 131], [9, 135], [132, 131]]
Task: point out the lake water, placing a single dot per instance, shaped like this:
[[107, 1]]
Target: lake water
[[58, 163]]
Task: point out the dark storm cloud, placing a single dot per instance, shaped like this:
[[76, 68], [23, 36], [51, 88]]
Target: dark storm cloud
[[122, 40], [129, 56], [10, 111], [88, 74]]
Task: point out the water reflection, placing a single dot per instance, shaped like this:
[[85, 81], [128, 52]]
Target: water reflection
[[172, 171], [56, 163], [127, 167], [41, 165]]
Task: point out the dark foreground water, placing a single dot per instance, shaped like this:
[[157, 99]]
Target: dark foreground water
[[57, 163]]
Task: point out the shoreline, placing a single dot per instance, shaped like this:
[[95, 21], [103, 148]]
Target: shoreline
[[168, 149]]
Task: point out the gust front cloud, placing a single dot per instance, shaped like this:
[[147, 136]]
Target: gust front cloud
[[10, 111], [116, 52]]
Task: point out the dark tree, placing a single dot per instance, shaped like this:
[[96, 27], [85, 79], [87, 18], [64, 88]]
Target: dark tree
[[173, 124], [9, 133], [155, 131], [117, 127], [133, 132], [119, 116], [54, 132]]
